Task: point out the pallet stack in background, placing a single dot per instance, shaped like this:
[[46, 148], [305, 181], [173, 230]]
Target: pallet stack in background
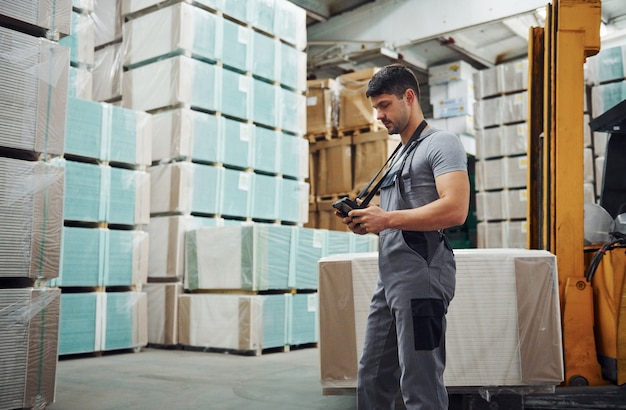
[[500, 115], [225, 86], [104, 252], [33, 101], [451, 94], [347, 143]]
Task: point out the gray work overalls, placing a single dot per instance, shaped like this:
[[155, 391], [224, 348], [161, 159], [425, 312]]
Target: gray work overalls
[[404, 342]]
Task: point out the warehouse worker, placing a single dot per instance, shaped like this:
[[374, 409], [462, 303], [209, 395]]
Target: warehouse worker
[[426, 190]]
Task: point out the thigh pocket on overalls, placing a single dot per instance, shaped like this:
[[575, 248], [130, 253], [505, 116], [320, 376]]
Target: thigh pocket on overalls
[[427, 322]]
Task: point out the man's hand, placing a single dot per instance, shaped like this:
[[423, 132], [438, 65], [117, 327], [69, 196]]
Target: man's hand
[[368, 220]]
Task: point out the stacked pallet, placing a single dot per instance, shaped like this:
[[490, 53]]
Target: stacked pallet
[[451, 94], [347, 143], [104, 251], [503, 325], [500, 115], [34, 89], [273, 268], [225, 86], [81, 43], [104, 256]]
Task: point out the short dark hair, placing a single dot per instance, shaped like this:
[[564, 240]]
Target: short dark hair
[[393, 79]]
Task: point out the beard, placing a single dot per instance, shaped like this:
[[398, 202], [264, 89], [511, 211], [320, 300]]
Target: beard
[[399, 124]]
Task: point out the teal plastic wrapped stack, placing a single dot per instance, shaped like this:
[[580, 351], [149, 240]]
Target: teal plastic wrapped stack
[[245, 256], [266, 150], [291, 194], [265, 196], [80, 324], [339, 242], [237, 46], [287, 111], [130, 136], [80, 84], [184, 134], [293, 151], [290, 23], [125, 321], [261, 15], [206, 185], [184, 187], [265, 100], [236, 195], [303, 319], [174, 81], [128, 199], [276, 253], [275, 308], [83, 257], [237, 138], [311, 245], [363, 243], [126, 258], [81, 41], [237, 9], [178, 29], [85, 187], [290, 67], [264, 57], [236, 93], [86, 133]]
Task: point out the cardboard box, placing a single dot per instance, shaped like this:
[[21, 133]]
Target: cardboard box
[[334, 166], [320, 106], [355, 109], [456, 70], [371, 151]]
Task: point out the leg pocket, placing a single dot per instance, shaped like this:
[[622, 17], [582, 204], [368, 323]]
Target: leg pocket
[[427, 322]]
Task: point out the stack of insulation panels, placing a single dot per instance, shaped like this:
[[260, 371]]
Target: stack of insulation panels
[[102, 321], [29, 319], [500, 114], [503, 329], [33, 101], [31, 218], [34, 86], [224, 82]]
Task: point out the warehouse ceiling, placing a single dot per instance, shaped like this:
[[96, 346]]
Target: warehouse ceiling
[[347, 35]]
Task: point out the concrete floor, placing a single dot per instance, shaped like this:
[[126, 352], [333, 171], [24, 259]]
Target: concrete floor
[[181, 379]]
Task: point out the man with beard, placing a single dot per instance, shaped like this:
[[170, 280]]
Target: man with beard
[[425, 190]]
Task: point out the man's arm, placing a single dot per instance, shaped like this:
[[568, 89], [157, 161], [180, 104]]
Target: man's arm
[[449, 210]]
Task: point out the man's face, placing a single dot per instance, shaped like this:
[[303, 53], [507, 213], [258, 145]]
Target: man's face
[[392, 111]]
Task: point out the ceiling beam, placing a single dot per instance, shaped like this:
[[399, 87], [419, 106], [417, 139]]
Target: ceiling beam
[[402, 22], [317, 9]]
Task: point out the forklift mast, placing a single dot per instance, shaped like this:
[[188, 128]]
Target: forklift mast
[[557, 54]]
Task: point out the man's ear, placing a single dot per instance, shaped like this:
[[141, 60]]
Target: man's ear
[[410, 95]]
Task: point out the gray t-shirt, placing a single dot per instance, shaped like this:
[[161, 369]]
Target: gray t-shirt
[[438, 152]]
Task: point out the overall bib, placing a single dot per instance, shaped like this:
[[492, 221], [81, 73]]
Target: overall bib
[[405, 337]]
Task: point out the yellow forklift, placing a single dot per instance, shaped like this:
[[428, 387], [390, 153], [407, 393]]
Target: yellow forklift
[[591, 275]]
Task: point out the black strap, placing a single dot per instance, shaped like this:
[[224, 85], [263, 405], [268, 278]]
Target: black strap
[[407, 146]]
